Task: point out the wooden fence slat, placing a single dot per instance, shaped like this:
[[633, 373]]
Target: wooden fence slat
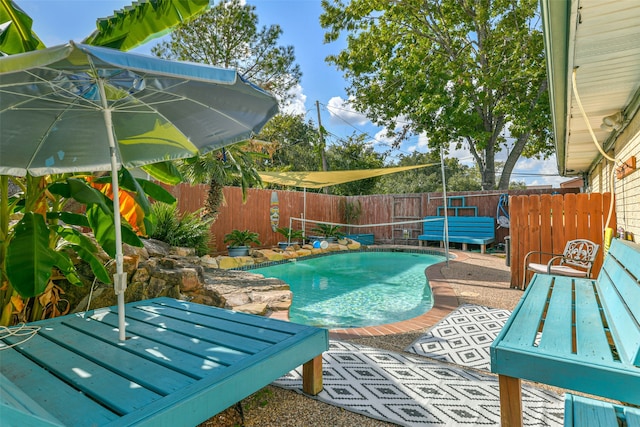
[[545, 222], [558, 235]]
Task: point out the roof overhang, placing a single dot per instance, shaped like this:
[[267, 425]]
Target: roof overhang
[[600, 39]]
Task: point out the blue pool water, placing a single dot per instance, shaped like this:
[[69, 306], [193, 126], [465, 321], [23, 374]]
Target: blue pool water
[[357, 288]]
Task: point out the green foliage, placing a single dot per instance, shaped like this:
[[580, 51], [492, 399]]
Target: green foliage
[[468, 73], [227, 35], [133, 26], [352, 211], [354, 153], [31, 248], [328, 230], [290, 233], [185, 230], [429, 179], [16, 37], [241, 238], [290, 141]]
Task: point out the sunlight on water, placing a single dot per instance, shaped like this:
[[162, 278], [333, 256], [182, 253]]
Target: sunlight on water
[[357, 289]]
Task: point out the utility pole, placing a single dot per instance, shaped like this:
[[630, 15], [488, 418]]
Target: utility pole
[[321, 145]]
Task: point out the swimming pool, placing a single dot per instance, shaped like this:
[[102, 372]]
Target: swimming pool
[[357, 289]]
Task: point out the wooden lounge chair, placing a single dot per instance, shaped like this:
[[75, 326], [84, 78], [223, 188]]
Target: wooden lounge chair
[[181, 364], [575, 261]]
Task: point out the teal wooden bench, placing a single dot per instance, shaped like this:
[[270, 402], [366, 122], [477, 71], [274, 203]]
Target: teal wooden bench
[[575, 333], [181, 364], [478, 230], [582, 411]]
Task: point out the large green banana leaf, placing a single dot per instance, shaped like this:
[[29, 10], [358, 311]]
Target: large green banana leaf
[[143, 21], [15, 30]]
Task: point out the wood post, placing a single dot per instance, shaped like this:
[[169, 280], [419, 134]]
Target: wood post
[[510, 401], [312, 376]]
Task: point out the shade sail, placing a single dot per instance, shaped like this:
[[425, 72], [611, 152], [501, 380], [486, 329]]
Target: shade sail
[[326, 179]]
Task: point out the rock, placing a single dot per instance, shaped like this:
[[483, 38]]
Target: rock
[[182, 252], [156, 248], [270, 254], [141, 253], [253, 308], [303, 252], [141, 275], [280, 305], [227, 262], [208, 262], [354, 246]]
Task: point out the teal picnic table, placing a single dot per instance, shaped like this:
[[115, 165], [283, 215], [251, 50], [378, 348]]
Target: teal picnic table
[[180, 364]]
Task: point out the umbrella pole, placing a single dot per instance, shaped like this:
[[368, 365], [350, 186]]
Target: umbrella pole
[[120, 278]]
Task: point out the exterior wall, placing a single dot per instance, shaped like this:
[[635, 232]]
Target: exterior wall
[[626, 189]]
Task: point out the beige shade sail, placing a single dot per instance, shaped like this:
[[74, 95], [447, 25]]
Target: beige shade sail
[[312, 179]]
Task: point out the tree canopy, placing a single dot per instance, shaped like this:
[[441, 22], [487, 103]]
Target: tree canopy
[[467, 72], [227, 35]]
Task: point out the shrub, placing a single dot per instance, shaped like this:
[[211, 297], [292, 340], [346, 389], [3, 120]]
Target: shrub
[[241, 238], [186, 230]]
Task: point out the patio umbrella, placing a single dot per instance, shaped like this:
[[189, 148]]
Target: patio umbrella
[[80, 108]]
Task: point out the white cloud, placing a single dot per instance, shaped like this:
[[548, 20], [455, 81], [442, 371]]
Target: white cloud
[[538, 172], [296, 105], [462, 154], [341, 113]]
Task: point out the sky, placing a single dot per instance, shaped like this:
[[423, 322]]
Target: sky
[[322, 85]]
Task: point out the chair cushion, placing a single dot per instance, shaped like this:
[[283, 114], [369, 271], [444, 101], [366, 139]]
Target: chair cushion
[[561, 270]]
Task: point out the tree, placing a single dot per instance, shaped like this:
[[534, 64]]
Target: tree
[[429, 179], [291, 144], [352, 154], [45, 236], [227, 36], [469, 72]]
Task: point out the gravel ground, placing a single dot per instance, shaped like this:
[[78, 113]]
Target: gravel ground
[[481, 279]]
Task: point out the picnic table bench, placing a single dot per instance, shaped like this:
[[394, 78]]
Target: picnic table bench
[[478, 230], [181, 364], [575, 333]]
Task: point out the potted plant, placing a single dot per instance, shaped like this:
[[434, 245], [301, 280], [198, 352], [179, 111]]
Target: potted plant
[[239, 241], [331, 233], [290, 236]]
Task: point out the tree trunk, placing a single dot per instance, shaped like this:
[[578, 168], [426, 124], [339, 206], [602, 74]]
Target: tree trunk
[[215, 198]]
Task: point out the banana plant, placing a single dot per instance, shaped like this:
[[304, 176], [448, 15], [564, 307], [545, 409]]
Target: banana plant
[[43, 243], [40, 243]]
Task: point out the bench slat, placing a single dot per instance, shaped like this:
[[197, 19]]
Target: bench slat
[[187, 329], [165, 354], [216, 350], [627, 254], [623, 324], [117, 393], [583, 412], [591, 340], [557, 334], [14, 402], [242, 325], [522, 327], [62, 401], [139, 370], [632, 415]]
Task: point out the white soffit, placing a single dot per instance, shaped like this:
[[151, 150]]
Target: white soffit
[[604, 45]]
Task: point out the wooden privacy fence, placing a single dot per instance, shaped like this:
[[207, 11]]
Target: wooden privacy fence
[[546, 222], [254, 213], [375, 209]]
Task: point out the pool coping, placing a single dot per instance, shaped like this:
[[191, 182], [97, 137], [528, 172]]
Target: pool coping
[[444, 302]]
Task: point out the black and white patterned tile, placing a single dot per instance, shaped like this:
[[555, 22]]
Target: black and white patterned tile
[[414, 391], [463, 337]]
